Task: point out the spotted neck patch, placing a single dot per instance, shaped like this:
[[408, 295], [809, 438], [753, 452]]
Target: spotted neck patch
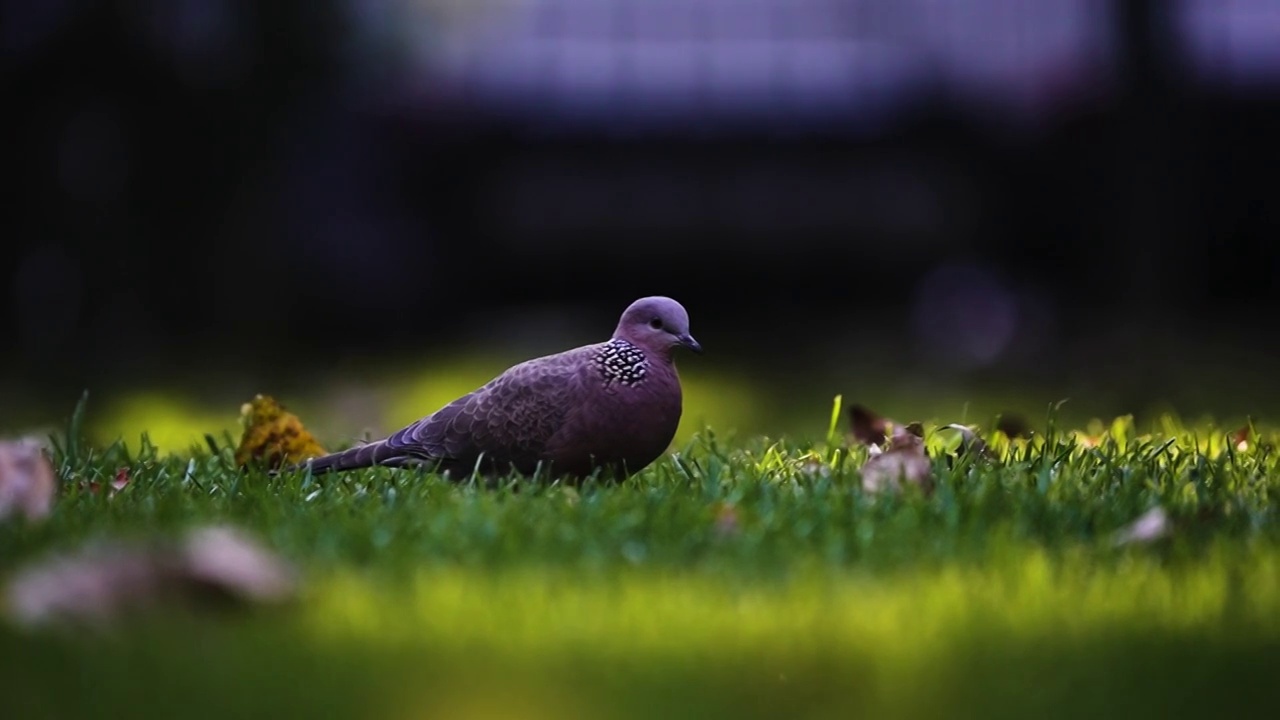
[[621, 362]]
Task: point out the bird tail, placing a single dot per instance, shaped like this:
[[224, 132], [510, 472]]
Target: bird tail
[[360, 456]]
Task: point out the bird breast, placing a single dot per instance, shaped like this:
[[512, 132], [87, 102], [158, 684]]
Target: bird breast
[[640, 420]]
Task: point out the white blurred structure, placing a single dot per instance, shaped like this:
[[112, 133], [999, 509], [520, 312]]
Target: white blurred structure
[[651, 63], [1231, 42], [792, 61]]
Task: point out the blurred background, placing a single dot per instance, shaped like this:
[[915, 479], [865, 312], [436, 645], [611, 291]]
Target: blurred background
[[366, 207]]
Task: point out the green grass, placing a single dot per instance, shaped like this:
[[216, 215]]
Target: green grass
[[1002, 595]]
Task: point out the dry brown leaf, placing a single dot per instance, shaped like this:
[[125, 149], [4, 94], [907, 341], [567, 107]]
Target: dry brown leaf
[[1240, 439], [726, 520], [273, 436], [105, 581], [815, 469], [866, 426], [117, 483], [1152, 525], [27, 481], [903, 461], [224, 559], [896, 451]]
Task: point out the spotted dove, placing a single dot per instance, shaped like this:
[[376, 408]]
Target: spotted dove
[[610, 406]]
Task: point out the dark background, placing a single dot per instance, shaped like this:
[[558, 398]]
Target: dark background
[[1074, 194]]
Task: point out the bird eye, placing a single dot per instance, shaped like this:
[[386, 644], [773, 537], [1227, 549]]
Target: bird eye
[[656, 323]]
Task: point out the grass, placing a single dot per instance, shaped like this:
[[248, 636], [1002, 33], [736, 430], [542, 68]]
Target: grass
[[735, 578]]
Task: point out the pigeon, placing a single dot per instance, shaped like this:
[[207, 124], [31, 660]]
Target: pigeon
[[609, 408]]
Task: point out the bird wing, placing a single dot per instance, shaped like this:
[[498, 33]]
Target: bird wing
[[509, 419]]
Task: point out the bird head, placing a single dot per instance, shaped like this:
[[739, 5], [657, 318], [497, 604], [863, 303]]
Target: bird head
[[656, 323]]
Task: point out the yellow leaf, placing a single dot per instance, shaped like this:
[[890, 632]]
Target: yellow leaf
[[273, 436]]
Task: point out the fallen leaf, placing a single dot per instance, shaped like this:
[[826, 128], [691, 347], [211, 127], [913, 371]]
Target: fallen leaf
[[107, 580], [273, 436], [1240, 439], [1150, 526], [866, 426], [726, 520], [223, 559], [117, 483], [812, 465], [903, 461], [815, 468], [27, 481]]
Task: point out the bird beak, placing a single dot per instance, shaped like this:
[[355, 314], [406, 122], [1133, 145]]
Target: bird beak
[[687, 340]]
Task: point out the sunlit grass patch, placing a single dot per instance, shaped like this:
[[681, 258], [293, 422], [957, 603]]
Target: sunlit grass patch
[[171, 423], [901, 618]]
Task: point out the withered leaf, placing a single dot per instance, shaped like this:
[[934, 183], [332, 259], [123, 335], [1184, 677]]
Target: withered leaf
[[866, 426], [27, 480], [904, 461], [1240, 438], [726, 520], [273, 436], [212, 566], [1152, 525], [118, 483], [223, 559]]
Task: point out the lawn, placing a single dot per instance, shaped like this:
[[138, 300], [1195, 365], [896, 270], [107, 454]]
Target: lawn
[[736, 577]]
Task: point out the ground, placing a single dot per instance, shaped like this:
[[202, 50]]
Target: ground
[[736, 577]]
